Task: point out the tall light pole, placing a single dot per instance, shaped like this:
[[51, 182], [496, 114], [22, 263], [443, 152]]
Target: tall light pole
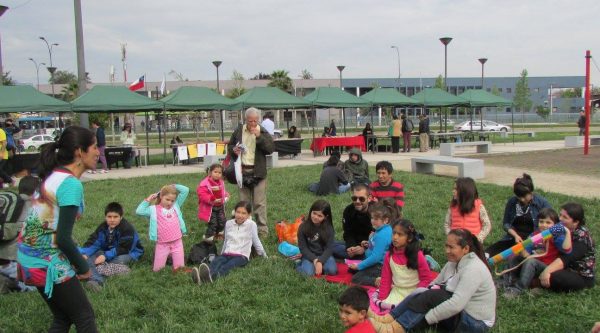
[[37, 70], [81, 73], [445, 41], [341, 68], [51, 68], [218, 63], [482, 61], [398, 54], [3, 9]]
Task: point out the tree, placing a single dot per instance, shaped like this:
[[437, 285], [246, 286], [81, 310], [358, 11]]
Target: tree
[[281, 80], [178, 76], [522, 100], [7, 80], [495, 90], [261, 76], [306, 75], [571, 93], [439, 82], [542, 111], [62, 77], [238, 85]]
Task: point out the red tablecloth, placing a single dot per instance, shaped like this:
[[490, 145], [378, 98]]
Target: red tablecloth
[[319, 144]]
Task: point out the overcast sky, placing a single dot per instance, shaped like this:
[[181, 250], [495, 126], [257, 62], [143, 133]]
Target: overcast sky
[[547, 37]]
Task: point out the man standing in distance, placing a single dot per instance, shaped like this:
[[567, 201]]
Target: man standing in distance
[[356, 222], [257, 144], [581, 123]]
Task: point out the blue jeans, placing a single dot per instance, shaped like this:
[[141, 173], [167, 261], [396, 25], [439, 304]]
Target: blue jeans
[[308, 268], [123, 259], [339, 250], [222, 264], [410, 319], [314, 187]]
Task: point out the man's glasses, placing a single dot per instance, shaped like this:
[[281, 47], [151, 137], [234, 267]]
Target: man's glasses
[[355, 198]]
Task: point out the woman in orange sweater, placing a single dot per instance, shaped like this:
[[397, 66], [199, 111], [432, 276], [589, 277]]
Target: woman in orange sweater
[[467, 210]]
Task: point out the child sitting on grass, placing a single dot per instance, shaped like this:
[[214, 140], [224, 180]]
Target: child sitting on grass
[[368, 270], [166, 224], [405, 267], [467, 210], [316, 240], [212, 197], [114, 241], [526, 266], [241, 234], [354, 304]]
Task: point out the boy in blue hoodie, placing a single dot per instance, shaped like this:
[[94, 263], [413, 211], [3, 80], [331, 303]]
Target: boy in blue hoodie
[[114, 241]]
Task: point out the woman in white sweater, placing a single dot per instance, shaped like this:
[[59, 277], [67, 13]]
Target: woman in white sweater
[[462, 298]]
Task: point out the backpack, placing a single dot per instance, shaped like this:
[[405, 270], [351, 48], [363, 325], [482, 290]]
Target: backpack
[[409, 125], [11, 206], [201, 253]]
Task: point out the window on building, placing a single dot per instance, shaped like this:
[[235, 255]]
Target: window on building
[[509, 90], [537, 90], [499, 89]]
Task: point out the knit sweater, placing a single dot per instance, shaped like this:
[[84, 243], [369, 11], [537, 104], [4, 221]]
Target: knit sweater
[[472, 287], [240, 238]]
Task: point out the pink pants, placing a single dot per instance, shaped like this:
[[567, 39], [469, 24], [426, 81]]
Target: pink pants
[[162, 251]]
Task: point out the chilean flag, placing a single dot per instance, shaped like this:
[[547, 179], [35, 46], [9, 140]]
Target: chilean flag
[[138, 84]]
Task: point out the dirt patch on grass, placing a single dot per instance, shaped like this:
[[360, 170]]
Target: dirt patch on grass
[[564, 161]]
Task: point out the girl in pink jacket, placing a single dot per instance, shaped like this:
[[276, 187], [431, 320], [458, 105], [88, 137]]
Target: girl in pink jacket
[[212, 197]]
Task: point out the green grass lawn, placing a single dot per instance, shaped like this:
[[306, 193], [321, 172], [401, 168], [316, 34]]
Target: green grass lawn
[[268, 295]]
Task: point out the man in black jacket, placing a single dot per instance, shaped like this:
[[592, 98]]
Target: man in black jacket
[[356, 223], [423, 133], [258, 144]]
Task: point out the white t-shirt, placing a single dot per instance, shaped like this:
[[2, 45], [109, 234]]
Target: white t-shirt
[[269, 125]]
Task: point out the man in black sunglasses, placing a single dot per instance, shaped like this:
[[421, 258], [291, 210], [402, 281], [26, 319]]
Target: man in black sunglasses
[[356, 223]]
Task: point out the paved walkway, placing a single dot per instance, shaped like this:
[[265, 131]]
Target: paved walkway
[[562, 183]]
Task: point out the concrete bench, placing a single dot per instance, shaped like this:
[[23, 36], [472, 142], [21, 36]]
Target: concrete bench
[[212, 159], [447, 149], [467, 167], [273, 160], [530, 134], [577, 141]]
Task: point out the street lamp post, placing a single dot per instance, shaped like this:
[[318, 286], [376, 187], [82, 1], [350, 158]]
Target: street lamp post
[[37, 71], [482, 61], [51, 69], [446, 41], [3, 9], [218, 63], [398, 54], [341, 68]]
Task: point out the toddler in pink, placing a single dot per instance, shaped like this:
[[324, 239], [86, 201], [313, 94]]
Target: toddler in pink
[[166, 224]]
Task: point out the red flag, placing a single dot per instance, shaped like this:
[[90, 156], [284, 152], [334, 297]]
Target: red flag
[[138, 84]]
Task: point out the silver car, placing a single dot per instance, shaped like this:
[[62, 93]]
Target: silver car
[[35, 142], [488, 126]]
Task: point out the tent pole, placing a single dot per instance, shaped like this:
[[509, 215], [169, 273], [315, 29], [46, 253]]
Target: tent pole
[[164, 123], [147, 136], [221, 115], [344, 119]]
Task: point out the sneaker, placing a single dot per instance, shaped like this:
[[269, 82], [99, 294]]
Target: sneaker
[[196, 276], [104, 171], [204, 272], [93, 286]]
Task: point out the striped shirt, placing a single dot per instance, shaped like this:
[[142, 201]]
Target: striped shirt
[[394, 190]]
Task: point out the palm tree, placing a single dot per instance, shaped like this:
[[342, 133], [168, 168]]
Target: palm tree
[[69, 91], [280, 79]]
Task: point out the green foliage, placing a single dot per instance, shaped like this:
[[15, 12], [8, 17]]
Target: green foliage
[[280, 79], [306, 75], [522, 99], [261, 76], [69, 91], [238, 85], [495, 91], [571, 93], [63, 77], [439, 82], [7, 80], [542, 111], [268, 295], [374, 85]]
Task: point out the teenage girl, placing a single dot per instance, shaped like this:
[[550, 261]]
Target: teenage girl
[[241, 234], [316, 240], [379, 242], [212, 197], [467, 210], [166, 224], [404, 266]]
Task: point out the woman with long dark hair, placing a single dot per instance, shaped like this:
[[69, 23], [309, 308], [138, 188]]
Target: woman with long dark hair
[[47, 256]]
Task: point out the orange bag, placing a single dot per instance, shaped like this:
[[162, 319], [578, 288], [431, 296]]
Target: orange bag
[[288, 231]]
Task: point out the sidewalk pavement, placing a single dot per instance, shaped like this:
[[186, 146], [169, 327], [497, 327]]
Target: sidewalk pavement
[[400, 161]]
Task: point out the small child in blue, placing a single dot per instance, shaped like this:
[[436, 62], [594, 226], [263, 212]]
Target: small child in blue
[[368, 270], [114, 241], [316, 240]]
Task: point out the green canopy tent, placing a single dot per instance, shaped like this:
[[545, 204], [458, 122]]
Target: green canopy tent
[[436, 97], [482, 98], [19, 99], [110, 99], [336, 98], [270, 98], [388, 97], [199, 98]]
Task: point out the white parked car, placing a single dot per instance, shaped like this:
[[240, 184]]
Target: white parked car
[[488, 125], [35, 142]]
